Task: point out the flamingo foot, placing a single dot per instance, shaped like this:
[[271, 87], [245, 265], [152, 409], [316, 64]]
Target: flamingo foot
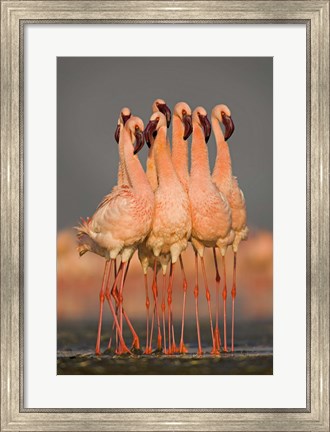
[[199, 353], [215, 352], [122, 350], [148, 351], [217, 338], [182, 348], [136, 343], [174, 348]]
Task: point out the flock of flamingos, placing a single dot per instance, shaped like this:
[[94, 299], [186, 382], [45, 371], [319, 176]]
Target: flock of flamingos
[[158, 212]]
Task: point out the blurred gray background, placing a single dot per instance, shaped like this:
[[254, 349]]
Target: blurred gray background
[[91, 91]]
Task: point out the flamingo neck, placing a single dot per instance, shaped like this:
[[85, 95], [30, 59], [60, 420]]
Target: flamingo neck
[[135, 172], [222, 172], [164, 166], [122, 173], [180, 151], [199, 154], [151, 168]]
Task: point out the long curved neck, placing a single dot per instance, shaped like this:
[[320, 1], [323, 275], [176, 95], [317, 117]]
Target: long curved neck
[[222, 168], [135, 172], [199, 155], [179, 151], [122, 172], [164, 166], [151, 168]]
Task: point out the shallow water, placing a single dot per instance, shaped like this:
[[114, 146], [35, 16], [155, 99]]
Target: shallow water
[[253, 352]]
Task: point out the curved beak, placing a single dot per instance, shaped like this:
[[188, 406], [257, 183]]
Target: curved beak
[[125, 118], [149, 131], [139, 141], [206, 125], [117, 133], [229, 126], [187, 126], [164, 109]]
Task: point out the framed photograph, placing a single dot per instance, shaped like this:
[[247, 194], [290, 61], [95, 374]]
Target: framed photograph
[[232, 99]]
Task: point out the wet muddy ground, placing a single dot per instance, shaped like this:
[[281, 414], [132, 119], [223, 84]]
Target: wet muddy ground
[[253, 353]]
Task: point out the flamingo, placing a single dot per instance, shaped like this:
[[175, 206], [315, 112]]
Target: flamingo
[[145, 254], [211, 216], [182, 115], [228, 185], [171, 226], [122, 220]]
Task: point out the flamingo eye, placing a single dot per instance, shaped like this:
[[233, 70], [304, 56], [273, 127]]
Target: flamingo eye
[[157, 118], [136, 127], [157, 103], [223, 113], [184, 112]]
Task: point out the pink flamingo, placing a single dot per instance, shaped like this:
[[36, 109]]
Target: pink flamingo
[[122, 220], [145, 254], [228, 185], [172, 223], [181, 118], [211, 218]]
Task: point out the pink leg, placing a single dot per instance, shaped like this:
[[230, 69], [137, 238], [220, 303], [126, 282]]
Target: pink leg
[[123, 269], [169, 302], [196, 291], [217, 294], [163, 312], [233, 296], [224, 296], [214, 351], [155, 294], [123, 347], [182, 348], [102, 297], [148, 312], [152, 330]]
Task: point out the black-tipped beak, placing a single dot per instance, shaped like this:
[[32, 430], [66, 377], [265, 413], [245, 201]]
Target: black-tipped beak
[[139, 141], [206, 125], [164, 109], [117, 133], [149, 132], [229, 126], [125, 118], [187, 126]]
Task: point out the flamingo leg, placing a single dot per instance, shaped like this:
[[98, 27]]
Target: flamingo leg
[[163, 311], [148, 312], [169, 302], [224, 296], [115, 294], [151, 330], [102, 297], [217, 294], [233, 296], [196, 292], [119, 332], [214, 351], [155, 294], [182, 347]]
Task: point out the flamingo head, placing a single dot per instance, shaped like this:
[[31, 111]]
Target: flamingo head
[[183, 111], [199, 116], [135, 127], [222, 113], [125, 114], [157, 120], [161, 106]]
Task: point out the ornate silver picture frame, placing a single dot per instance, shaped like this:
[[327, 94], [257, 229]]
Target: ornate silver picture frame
[[16, 14]]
